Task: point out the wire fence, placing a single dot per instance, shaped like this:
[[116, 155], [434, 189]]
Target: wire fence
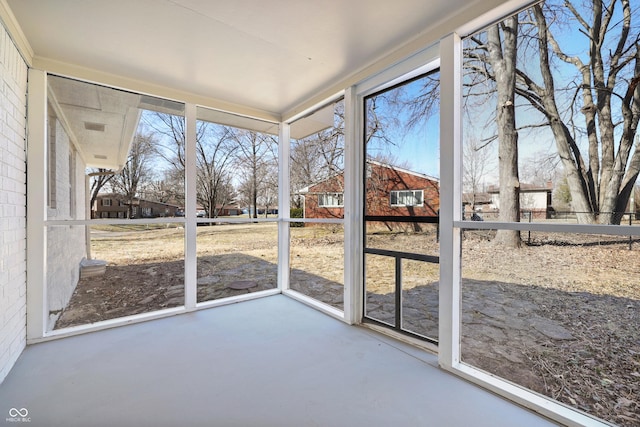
[[553, 216]]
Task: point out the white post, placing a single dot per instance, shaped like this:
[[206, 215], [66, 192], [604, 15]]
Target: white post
[[353, 175], [450, 199], [190, 215], [37, 307], [284, 204]]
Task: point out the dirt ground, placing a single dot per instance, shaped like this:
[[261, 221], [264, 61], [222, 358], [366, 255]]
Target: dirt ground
[[559, 316]]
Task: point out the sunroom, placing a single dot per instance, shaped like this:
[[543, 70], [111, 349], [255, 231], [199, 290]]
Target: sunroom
[[227, 221]]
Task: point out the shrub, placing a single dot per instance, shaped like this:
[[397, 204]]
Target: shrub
[[297, 213]]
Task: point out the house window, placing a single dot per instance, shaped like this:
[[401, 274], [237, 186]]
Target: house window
[[406, 198], [146, 212], [106, 202], [331, 200]]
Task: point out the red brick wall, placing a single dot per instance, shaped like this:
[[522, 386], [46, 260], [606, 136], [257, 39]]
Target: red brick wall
[[381, 181]]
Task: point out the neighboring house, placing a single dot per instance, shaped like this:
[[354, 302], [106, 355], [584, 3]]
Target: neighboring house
[[534, 199], [477, 202], [116, 206], [391, 191], [228, 210]]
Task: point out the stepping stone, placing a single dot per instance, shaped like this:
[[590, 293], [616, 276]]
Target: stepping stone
[[242, 284]]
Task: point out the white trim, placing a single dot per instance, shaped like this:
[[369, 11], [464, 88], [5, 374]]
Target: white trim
[[237, 298], [422, 62], [611, 230], [543, 405], [235, 220], [284, 205], [115, 221], [316, 220], [407, 339], [15, 32], [37, 146], [312, 109], [314, 303], [353, 183], [493, 15], [107, 324], [62, 118], [144, 317], [190, 236], [450, 203]]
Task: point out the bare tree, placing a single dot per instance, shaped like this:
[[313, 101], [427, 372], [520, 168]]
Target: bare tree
[[215, 153], [256, 157], [502, 47], [136, 171], [100, 178], [606, 93], [476, 164]]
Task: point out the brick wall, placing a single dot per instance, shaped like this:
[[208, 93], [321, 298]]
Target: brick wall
[[65, 243], [13, 266]]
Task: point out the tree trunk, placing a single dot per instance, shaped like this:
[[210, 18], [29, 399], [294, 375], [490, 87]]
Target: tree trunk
[[502, 55]]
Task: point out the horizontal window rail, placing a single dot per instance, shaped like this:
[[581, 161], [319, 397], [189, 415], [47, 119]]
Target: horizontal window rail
[[399, 256], [411, 219]]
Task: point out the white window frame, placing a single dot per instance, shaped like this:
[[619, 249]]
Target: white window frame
[[413, 196], [106, 202], [333, 196]]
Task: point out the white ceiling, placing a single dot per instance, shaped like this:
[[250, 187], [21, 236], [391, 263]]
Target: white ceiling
[[269, 55]]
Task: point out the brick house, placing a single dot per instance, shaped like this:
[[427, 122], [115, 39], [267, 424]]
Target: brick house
[[115, 206], [391, 191]]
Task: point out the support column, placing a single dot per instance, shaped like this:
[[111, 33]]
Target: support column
[[450, 199], [190, 227], [353, 183], [284, 204], [37, 306]]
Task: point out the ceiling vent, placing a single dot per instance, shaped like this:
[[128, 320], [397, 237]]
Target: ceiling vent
[[100, 156], [98, 127]]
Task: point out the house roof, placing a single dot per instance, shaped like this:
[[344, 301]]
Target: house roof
[[526, 188], [373, 162]]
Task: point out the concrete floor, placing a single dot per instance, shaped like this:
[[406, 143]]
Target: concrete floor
[[266, 362]]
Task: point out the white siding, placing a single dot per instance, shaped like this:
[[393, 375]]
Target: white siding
[[13, 267]]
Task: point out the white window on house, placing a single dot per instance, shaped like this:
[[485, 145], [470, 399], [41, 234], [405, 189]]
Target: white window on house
[[331, 200], [134, 211], [406, 198], [106, 202], [146, 212]]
